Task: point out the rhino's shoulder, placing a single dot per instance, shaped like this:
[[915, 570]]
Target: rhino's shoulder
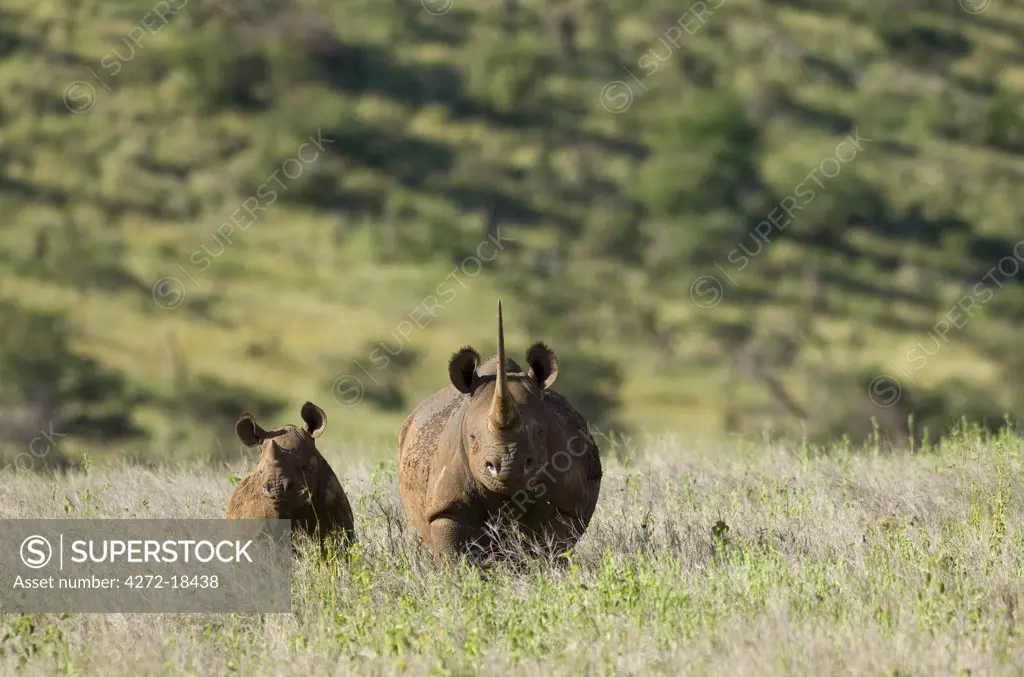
[[576, 426], [561, 408], [336, 498], [248, 502], [428, 423], [437, 408]]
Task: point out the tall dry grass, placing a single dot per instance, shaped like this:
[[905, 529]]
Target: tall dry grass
[[749, 560]]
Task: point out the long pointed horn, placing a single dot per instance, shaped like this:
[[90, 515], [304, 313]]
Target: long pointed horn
[[504, 413]]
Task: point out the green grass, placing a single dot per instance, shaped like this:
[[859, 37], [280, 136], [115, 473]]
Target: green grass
[[740, 559]]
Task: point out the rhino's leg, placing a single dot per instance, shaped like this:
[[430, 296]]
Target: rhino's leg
[[451, 535], [569, 528]]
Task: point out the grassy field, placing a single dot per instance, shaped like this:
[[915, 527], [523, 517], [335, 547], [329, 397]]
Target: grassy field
[[746, 559]]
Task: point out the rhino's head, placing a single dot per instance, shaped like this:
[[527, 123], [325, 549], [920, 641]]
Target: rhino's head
[[505, 431], [290, 465]]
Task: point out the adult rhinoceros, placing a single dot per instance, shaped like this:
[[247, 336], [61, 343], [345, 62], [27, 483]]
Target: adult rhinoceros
[[498, 441]]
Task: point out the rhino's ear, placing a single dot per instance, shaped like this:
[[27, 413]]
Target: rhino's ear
[[543, 364], [315, 419], [462, 369], [248, 430]]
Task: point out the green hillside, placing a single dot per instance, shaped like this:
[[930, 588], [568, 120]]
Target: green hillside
[[723, 219]]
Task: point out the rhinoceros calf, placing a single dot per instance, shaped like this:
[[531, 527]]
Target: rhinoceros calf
[[292, 480], [498, 442]]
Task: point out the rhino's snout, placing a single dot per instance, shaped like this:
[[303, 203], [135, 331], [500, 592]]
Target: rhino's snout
[[508, 467]]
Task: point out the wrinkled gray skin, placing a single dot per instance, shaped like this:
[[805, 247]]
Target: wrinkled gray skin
[[498, 441], [292, 480]]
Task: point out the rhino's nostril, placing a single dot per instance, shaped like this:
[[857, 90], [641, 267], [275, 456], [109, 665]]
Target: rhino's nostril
[[528, 464], [284, 485], [491, 469]]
